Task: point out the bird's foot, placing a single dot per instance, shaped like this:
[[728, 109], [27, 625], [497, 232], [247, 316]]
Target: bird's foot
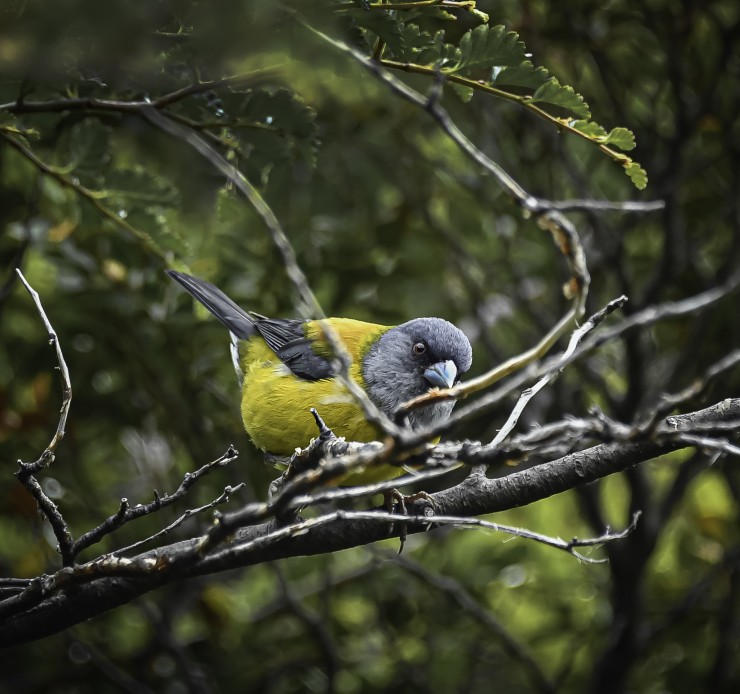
[[275, 486], [303, 459], [395, 501], [286, 516]]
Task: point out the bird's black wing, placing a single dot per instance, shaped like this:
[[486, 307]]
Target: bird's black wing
[[286, 338]]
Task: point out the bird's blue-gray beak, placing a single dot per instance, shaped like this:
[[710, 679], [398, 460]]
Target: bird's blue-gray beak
[[442, 374]]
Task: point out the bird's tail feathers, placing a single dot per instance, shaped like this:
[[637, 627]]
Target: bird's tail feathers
[[235, 318]]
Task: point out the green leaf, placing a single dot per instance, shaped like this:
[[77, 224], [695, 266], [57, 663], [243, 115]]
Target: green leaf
[[421, 48], [637, 174], [140, 186], [9, 124], [524, 75], [413, 40], [588, 127], [382, 25], [622, 138], [271, 127], [437, 52], [563, 96], [464, 93], [485, 47], [617, 137], [89, 147]]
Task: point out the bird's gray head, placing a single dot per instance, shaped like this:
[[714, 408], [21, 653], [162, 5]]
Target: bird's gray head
[[410, 359]]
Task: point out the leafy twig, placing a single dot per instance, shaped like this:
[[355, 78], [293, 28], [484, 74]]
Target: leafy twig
[[562, 230], [94, 104], [522, 100], [90, 195]]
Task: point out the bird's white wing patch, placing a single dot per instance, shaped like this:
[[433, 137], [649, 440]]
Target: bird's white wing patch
[[282, 370], [234, 349]]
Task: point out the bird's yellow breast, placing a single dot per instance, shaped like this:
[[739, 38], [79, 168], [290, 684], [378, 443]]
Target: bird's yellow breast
[[276, 403]]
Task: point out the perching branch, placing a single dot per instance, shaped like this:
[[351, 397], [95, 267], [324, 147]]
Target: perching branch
[[77, 593]]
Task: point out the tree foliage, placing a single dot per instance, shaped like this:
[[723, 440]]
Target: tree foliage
[[419, 158]]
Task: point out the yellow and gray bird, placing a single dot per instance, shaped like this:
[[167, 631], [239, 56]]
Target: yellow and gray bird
[[285, 369]]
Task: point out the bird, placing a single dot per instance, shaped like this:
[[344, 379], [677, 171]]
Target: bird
[[285, 368]]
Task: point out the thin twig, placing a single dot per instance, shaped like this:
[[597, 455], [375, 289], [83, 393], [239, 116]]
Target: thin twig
[[27, 471], [623, 206], [13, 585], [90, 196], [48, 454], [707, 444], [306, 526], [668, 401], [94, 104], [126, 514], [592, 323], [223, 498], [641, 319]]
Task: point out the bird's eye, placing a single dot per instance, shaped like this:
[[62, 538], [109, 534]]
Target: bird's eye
[[419, 348]]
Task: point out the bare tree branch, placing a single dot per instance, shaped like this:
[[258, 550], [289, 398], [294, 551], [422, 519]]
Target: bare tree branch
[[75, 594], [27, 471], [592, 323], [126, 514], [48, 455], [21, 105]]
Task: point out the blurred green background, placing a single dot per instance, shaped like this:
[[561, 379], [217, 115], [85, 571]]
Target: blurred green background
[[389, 221]]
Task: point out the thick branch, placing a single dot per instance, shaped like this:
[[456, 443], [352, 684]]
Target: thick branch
[[78, 594]]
